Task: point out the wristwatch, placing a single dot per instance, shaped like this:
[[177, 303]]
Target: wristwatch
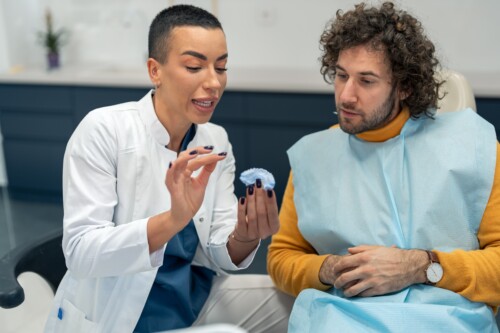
[[433, 272]]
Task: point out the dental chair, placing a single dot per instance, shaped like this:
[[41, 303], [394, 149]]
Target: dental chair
[[43, 257], [458, 92], [29, 277], [459, 95]]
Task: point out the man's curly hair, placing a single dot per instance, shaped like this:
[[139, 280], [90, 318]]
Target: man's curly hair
[[410, 54]]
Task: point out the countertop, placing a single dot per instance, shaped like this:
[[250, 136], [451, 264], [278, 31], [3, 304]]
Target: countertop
[[302, 80]]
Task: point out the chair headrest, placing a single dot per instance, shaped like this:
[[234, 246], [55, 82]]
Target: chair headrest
[[458, 92]]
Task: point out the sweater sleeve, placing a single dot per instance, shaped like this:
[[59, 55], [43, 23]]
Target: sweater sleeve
[[476, 274], [292, 262]]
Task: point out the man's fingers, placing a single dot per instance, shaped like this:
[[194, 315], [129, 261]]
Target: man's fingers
[[346, 263], [361, 248], [346, 278], [362, 288]]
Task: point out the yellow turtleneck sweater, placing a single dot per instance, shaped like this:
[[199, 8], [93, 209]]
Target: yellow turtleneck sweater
[[294, 265]]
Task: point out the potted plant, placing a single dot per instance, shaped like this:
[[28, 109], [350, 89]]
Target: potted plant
[[52, 40]]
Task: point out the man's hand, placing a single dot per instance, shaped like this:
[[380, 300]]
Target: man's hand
[[377, 270], [326, 272]]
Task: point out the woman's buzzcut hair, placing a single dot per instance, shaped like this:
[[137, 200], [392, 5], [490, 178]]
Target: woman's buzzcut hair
[[172, 17], [410, 54]]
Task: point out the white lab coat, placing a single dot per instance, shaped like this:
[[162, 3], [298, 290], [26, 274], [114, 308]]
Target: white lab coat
[[113, 182]]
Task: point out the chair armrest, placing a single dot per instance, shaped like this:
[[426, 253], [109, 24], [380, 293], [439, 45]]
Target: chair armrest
[[43, 256]]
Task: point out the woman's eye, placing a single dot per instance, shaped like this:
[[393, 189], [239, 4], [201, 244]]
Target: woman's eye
[[221, 70], [193, 69]]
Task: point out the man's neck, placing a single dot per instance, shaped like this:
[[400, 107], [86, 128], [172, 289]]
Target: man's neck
[[392, 129]]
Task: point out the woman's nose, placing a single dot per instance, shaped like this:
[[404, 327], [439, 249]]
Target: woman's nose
[[212, 81]]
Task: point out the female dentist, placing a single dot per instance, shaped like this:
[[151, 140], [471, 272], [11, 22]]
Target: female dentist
[[150, 218]]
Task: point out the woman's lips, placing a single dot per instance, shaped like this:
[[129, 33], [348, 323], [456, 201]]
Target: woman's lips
[[204, 105]]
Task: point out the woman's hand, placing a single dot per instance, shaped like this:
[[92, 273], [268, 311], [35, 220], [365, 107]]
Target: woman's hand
[[187, 192], [257, 214], [257, 219]]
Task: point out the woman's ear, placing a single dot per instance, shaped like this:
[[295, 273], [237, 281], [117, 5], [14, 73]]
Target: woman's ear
[[154, 70]]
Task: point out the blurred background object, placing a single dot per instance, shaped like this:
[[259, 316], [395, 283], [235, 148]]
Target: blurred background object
[[52, 39]]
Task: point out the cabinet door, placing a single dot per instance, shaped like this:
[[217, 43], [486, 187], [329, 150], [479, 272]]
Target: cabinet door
[[90, 98], [36, 122]]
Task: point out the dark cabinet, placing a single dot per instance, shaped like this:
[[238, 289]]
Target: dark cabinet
[[37, 121]]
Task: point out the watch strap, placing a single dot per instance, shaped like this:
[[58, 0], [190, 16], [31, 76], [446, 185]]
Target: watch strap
[[432, 256]]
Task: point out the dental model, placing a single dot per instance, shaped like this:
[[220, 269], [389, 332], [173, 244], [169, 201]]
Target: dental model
[[249, 177]]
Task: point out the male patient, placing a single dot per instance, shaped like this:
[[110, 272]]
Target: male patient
[[390, 221]]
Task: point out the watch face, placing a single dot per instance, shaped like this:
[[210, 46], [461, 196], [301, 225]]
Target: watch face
[[434, 272]]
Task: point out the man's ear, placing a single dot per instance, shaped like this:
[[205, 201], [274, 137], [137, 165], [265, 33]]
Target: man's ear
[[154, 70], [403, 94]]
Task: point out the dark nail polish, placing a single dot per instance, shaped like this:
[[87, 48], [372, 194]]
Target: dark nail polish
[[258, 182], [222, 154], [242, 201], [193, 152], [250, 189], [169, 165], [209, 147], [270, 193]]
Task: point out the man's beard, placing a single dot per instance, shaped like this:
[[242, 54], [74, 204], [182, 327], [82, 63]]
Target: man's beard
[[377, 119]]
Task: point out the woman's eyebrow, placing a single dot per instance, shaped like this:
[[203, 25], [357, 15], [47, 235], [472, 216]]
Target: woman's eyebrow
[[202, 56]]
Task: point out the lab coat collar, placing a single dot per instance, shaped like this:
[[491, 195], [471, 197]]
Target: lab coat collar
[[151, 121]]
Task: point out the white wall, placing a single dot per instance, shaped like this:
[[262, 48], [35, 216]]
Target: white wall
[[261, 33], [4, 60]]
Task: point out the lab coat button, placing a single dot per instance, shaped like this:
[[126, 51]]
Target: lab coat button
[[60, 314], [201, 219]]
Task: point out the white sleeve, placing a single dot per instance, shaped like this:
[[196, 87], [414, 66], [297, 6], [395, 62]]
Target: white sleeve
[[93, 245]]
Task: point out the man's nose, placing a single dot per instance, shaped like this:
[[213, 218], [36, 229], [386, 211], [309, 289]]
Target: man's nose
[[348, 94]]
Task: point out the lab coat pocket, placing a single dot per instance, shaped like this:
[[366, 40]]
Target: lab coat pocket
[[72, 319]]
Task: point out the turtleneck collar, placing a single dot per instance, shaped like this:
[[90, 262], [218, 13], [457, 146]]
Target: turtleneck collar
[[389, 131]]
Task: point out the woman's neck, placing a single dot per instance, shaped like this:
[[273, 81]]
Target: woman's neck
[[175, 128]]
